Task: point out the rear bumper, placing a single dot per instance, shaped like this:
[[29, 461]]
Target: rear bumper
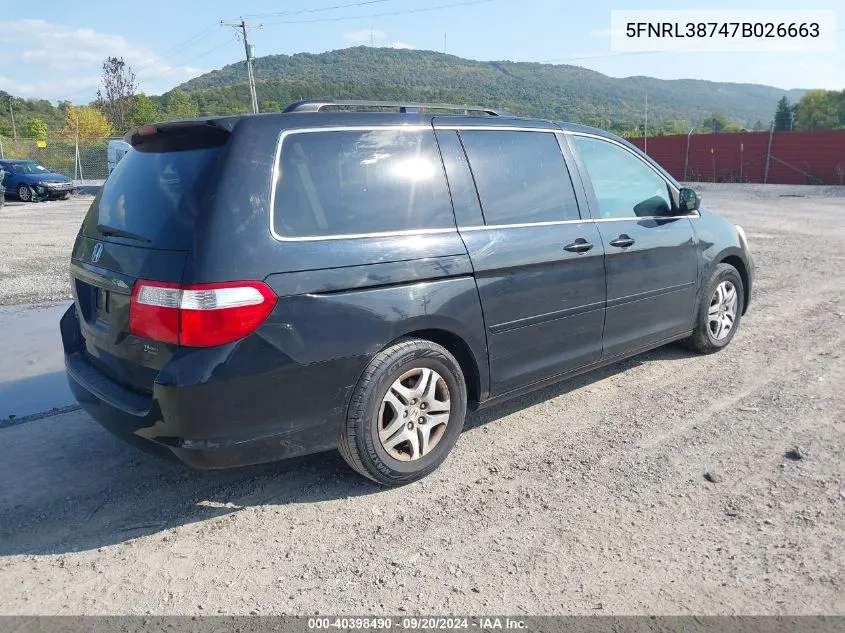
[[213, 417]]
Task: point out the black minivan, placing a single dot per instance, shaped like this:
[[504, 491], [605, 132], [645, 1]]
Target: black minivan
[[356, 275]]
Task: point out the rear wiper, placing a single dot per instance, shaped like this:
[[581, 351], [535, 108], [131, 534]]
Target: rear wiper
[[114, 232]]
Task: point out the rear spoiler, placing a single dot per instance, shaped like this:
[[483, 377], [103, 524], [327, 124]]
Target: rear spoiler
[[173, 136]]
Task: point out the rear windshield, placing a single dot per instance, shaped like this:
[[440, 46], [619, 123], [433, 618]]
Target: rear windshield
[[29, 168], [153, 198]]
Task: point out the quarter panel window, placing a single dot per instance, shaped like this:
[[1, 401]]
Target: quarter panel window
[[350, 182], [461, 185], [623, 184], [521, 176]]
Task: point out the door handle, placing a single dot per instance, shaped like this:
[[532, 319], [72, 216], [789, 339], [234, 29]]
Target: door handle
[[623, 241], [578, 246]]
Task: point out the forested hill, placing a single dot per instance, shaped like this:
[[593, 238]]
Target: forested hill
[[544, 90]]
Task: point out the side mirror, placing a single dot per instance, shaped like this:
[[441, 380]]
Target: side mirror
[[688, 200]]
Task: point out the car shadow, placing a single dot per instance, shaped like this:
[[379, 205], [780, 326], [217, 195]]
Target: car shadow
[[33, 395], [66, 485]]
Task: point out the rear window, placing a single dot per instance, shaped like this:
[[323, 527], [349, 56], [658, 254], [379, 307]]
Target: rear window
[[337, 183], [153, 198]]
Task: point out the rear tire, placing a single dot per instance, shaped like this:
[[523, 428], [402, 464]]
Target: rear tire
[[719, 311], [65, 196], [406, 413]]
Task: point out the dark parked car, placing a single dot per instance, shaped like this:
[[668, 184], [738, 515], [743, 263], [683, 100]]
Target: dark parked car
[[30, 181], [250, 288]]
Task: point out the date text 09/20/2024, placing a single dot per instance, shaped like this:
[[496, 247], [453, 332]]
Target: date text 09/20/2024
[[416, 623]]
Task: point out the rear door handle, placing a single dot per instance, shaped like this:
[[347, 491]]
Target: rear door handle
[[578, 246], [622, 241]]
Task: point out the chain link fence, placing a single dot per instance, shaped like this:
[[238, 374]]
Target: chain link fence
[[85, 162]]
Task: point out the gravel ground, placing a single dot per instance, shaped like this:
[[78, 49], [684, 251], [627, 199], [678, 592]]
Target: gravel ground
[[35, 244], [669, 484]]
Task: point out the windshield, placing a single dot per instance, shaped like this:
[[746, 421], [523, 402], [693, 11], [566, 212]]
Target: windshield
[[154, 197], [29, 168]]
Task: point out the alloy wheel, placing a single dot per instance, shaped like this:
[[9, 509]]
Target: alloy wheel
[[722, 312], [414, 414]]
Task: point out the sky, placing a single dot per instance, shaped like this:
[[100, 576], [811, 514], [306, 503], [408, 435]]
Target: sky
[[53, 49]]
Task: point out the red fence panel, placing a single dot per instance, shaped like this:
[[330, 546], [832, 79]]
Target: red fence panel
[[796, 157]]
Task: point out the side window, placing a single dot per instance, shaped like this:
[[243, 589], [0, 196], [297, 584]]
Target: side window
[[350, 182], [624, 185], [461, 185], [521, 176]]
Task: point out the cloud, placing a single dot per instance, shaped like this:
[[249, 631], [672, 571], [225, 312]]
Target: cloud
[[364, 35], [402, 45], [56, 61]]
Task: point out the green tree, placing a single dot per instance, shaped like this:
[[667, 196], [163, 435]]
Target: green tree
[[717, 123], [37, 128], [270, 106], [673, 127], [180, 105], [142, 111], [820, 109], [91, 122], [783, 115], [117, 92]]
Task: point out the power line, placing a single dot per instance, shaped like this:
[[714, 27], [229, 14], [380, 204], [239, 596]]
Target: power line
[[380, 15], [193, 40], [318, 10], [186, 43], [207, 52], [190, 41]]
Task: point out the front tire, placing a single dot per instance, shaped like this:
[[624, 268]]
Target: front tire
[[406, 413], [719, 311], [25, 193]]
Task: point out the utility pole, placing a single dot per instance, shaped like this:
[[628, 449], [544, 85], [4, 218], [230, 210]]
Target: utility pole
[[645, 141], [444, 43], [250, 55], [769, 153], [686, 156], [12, 114]]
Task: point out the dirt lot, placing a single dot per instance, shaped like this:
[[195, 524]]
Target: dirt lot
[[35, 244], [587, 497]]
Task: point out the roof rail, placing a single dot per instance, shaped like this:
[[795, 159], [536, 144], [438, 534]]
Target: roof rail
[[316, 105]]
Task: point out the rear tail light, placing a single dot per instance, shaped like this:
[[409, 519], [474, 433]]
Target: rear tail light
[[198, 315]]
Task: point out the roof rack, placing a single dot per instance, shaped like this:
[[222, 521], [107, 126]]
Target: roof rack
[[316, 105]]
